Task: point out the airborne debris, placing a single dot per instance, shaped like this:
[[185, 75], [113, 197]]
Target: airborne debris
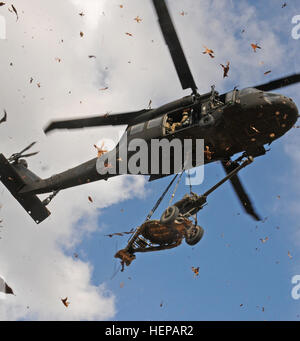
[[100, 150], [14, 10], [138, 19], [65, 302], [255, 46], [225, 69], [129, 34], [4, 288], [253, 128], [209, 52], [267, 72], [183, 13], [4, 118], [81, 34], [208, 153], [284, 5], [196, 271], [2, 3], [81, 14], [264, 240], [90, 199], [289, 254]]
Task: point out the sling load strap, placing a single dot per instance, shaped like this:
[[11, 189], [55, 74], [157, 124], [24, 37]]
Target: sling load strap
[[175, 189], [189, 176], [191, 191], [161, 198]]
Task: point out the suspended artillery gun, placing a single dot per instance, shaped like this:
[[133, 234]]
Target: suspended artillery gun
[[175, 223]]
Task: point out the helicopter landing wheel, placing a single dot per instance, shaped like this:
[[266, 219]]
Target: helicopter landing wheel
[[169, 215], [194, 235]]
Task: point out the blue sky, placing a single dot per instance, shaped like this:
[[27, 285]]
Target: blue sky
[[236, 268], [240, 278]]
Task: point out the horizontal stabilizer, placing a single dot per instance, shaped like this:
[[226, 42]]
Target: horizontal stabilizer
[[14, 182]]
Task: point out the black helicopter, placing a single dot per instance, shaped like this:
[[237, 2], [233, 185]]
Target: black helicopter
[[240, 121]]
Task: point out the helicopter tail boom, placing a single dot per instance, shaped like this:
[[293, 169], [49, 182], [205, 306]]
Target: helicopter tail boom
[[14, 179]]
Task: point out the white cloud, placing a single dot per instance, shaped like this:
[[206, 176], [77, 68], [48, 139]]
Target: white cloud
[[135, 69]]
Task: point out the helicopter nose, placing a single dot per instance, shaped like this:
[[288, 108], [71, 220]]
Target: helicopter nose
[[286, 112], [290, 110]]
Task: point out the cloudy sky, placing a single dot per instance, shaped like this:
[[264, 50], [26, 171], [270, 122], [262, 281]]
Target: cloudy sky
[[240, 277]]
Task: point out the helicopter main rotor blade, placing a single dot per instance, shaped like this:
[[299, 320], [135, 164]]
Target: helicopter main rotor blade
[[113, 119], [175, 48], [279, 83], [240, 190]]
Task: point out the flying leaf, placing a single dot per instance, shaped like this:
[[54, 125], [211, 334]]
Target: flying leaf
[[90, 199], [2, 3], [138, 19], [65, 302], [196, 271], [209, 52], [15, 11], [129, 34], [264, 240], [225, 69], [4, 118], [81, 34], [100, 150], [255, 46], [267, 72], [4, 288]]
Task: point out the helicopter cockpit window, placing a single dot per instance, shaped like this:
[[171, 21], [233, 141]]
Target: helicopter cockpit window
[[154, 123], [248, 91], [138, 128], [229, 96]]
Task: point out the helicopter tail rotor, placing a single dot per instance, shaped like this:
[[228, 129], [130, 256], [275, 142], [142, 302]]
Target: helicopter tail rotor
[[240, 190], [14, 158]]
